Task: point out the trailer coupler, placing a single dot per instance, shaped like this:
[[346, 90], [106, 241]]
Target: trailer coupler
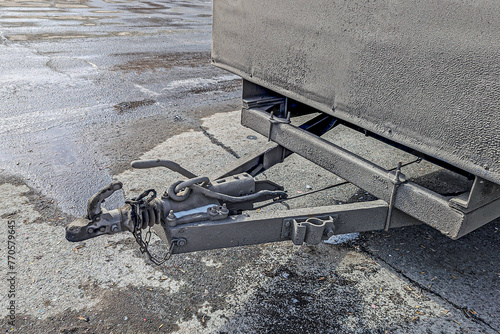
[[194, 200], [200, 214]]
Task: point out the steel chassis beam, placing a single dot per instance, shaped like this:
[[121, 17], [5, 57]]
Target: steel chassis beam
[[418, 202], [257, 228], [261, 160]]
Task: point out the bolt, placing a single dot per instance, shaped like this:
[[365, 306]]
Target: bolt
[[114, 228], [171, 215], [329, 232], [102, 229], [90, 230], [287, 224], [213, 210], [181, 242], [96, 219], [223, 209]]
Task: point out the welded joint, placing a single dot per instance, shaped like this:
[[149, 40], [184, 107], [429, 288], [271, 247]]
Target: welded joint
[[396, 182], [482, 193], [273, 120]]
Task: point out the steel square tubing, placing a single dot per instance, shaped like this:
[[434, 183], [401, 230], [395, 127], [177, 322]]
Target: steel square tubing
[[257, 228], [419, 202]]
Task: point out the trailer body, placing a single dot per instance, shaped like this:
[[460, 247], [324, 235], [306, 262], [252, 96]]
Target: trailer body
[[424, 74], [421, 76]]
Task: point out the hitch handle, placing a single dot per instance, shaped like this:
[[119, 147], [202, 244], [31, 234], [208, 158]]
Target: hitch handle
[[173, 166], [94, 204]]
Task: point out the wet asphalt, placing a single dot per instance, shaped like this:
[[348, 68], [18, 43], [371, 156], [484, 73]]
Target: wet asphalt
[[77, 77]]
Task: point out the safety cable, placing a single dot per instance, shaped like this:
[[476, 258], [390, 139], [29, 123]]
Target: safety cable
[[418, 160]]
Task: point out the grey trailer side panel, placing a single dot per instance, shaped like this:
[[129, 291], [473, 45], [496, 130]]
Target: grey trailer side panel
[[421, 73]]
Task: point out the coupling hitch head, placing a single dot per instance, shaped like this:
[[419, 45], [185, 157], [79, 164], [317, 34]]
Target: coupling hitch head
[[98, 220], [195, 201]]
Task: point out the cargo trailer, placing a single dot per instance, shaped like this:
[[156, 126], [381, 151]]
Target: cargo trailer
[[419, 76]]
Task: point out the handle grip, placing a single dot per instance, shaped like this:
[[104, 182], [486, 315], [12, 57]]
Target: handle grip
[[173, 166]]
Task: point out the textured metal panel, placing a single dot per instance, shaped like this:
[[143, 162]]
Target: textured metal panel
[[422, 73]]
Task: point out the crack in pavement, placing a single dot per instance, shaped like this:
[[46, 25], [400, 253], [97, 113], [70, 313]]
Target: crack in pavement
[[217, 142], [465, 310], [3, 39]]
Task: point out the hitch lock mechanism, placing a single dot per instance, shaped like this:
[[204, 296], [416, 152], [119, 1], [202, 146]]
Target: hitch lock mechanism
[[194, 200]]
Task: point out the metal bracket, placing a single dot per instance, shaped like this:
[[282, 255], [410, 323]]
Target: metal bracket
[[481, 193], [276, 120], [396, 182], [309, 230]]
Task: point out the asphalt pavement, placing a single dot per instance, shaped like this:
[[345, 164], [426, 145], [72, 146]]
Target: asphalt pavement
[[88, 86]]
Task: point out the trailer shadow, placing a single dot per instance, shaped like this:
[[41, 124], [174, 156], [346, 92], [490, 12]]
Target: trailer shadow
[[465, 273], [342, 289]]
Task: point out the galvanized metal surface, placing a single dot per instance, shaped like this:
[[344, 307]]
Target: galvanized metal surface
[[417, 201], [257, 228], [424, 74]]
